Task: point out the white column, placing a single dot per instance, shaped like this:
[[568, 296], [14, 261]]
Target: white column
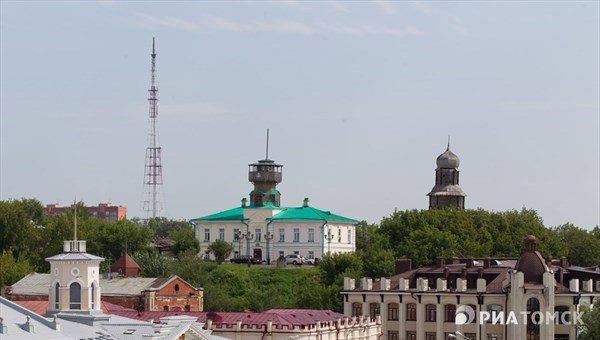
[[420, 321], [439, 321]]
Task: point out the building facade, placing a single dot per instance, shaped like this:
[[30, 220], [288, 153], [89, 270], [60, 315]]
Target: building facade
[[447, 192], [528, 297], [265, 230], [103, 211]]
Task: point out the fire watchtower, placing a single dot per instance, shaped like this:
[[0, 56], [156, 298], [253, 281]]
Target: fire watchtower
[[265, 175]]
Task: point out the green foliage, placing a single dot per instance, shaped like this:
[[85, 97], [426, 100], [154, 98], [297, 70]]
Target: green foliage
[[221, 250], [11, 268], [374, 248], [185, 240], [583, 247], [590, 330], [424, 235], [162, 226], [151, 263]]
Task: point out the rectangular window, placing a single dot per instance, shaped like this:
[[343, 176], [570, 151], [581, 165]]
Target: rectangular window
[[296, 235], [311, 235], [339, 235], [374, 309], [281, 254], [393, 311], [430, 310], [449, 313], [296, 252], [430, 336], [349, 236], [221, 234], [356, 309], [236, 235], [236, 254], [498, 337], [410, 335], [257, 234], [206, 234], [207, 255], [311, 254], [411, 312], [393, 335], [281, 235]]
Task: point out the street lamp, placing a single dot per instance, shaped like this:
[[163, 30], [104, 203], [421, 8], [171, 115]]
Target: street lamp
[[329, 237], [268, 237]]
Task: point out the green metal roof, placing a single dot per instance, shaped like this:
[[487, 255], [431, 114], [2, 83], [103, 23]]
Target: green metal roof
[[235, 214], [310, 214], [286, 214]]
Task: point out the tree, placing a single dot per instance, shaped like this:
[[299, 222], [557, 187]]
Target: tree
[[185, 240], [583, 247], [590, 330], [162, 226], [221, 250], [374, 248], [151, 263], [11, 268]]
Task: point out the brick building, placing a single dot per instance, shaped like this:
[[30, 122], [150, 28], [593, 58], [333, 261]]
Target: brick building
[[104, 211]]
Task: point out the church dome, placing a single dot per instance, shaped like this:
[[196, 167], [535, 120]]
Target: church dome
[[447, 160]]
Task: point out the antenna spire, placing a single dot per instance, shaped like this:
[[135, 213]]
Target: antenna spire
[[267, 156], [448, 142], [75, 220], [153, 167]]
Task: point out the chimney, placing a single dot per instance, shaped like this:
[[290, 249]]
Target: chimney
[[470, 262], [487, 262], [244, 202], [305, 202], [446, 273], [564, 263], [439, 262], [403, 266], [561, 275]]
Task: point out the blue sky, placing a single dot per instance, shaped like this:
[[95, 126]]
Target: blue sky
[[359, 98]]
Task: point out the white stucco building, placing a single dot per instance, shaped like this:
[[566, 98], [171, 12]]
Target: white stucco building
[[266, 230]]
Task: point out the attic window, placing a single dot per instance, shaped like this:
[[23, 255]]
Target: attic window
[[176, 288], [129, 331]]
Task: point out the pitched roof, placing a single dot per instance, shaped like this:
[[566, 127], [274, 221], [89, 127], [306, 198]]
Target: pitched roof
[[286, 214], [235, 214], [310, 214], [38, 284], [125, 261]]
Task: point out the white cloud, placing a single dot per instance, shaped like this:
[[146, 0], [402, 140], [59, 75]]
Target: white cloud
[[151, 21], [216, 23]]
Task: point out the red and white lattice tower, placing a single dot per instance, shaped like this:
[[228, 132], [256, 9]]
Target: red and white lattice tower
[[153, 168]]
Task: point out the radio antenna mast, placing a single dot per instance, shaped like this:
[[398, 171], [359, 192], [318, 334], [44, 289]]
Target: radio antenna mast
[[153, 167]]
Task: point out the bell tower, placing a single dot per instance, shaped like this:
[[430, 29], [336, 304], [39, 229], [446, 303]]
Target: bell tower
[[446, 192], [265, 175]]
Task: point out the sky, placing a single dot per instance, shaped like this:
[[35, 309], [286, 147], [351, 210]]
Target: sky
[[360, 98]]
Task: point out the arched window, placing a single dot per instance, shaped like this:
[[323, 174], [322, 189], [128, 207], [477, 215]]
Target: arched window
[[176, 287], [356, 309], [93, 295], [430, 310], [166, 308], [75, 296], [56, 295], [494, 310], [411, 312], [534, 318]]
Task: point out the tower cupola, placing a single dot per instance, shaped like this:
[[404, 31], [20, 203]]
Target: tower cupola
[[446, 192]]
